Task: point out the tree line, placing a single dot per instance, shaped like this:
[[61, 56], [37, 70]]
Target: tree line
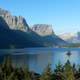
[[61, 72]]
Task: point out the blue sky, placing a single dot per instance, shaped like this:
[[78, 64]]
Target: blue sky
[[64, 15]]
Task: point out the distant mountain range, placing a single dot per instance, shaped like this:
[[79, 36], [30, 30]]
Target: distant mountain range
[[16, 33], [70, 37]]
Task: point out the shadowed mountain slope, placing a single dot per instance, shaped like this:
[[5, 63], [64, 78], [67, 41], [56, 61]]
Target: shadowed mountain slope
[[14, 38]]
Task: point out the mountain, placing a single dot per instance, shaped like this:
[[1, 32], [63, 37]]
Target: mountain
[[11, 38], [14, 22], [67, 36], [48, 36], [15, 33], [15, 38], [43, 29], [71, 37]]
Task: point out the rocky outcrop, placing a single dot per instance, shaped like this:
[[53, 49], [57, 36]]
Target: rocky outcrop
[[14, 22], [43, 29]]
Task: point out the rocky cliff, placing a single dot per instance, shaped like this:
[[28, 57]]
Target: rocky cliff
[[48, 37], [14, 22], [12, 35], [43, 29]]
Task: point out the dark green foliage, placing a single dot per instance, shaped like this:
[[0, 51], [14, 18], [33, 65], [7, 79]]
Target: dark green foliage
[[47, 73], [61, 72], [59, 68], [68, 71], [27, 75]]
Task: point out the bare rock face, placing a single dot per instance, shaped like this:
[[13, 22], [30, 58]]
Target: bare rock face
[[43, 29], [14, 22]]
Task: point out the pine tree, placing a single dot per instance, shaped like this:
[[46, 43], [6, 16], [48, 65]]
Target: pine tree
[[7, 67], [59, 68], [59, 72], [68, 72], [47, 73], [26, 74], [11, 77]]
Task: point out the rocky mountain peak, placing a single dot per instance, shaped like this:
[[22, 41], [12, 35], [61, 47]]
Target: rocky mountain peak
[[43, 29], [14, 22]]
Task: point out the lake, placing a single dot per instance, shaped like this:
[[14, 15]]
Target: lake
[[38, 58]]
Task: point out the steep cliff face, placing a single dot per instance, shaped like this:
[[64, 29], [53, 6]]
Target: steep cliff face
[[10, 38], [14, 22], [43, 29], [48, 37], [12, 27]]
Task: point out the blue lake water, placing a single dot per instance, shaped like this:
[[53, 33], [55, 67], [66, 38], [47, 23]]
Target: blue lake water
[[38, 58]]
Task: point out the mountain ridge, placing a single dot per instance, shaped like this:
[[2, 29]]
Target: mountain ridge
[[21, 38], [14, 22], [43, 29], [71, 37]]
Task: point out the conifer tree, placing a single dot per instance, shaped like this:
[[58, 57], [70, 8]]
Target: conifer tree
[[59, 72], [26, 74], [47, 73], [68, 72], [7, 67], [59, 68]]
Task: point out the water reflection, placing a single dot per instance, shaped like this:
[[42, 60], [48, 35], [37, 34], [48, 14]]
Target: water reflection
[[38, 58]]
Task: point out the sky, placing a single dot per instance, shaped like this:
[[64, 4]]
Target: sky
[[63, 15]]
